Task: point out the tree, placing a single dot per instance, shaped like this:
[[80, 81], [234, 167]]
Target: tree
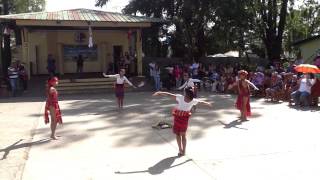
[[101, 3], [24, 6], [188, 18], [15, 6], [270, 22], [302, 23]]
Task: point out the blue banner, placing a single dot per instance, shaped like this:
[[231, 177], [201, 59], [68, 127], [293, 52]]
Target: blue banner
[[71, 52]]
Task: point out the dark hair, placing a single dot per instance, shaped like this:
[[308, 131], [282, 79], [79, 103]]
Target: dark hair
[[311, 76], [189, 92]]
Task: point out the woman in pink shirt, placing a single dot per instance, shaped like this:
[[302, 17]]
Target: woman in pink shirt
[[177, 75]]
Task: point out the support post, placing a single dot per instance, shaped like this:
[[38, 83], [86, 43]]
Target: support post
[[139, 52], [60, 58]]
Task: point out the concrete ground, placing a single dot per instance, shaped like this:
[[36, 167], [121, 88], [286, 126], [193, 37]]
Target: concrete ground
[[99, 142]]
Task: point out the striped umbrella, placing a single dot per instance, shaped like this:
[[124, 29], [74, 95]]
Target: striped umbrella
[[307, 68]]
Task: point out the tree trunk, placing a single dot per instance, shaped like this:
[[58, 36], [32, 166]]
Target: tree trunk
[[274, 49], [6, 53], [201, 44]]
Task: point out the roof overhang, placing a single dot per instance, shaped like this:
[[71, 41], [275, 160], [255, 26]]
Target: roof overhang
[[81, 24], [301, 42], [80, 18]]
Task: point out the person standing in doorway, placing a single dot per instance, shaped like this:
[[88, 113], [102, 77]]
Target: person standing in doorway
[[80, 64], [51, 65]]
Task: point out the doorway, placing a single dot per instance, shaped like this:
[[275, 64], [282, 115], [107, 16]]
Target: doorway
[[117, 53], [37, 59]]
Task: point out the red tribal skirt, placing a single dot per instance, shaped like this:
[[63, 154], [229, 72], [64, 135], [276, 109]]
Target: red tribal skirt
[[119, 90], [239, 104], [181, 119], [57, 112]]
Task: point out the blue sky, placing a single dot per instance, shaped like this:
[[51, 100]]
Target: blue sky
[[113, 5]]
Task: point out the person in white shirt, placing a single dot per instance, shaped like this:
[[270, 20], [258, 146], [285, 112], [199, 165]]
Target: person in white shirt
[[119, 85], [195, 69], [156, 77], [189, 82], [13, 74], [181, 114], [303, 93], [152, 65]]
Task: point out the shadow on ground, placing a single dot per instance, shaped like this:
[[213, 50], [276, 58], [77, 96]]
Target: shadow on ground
[[159, 167], [84, 116], [17, 145]]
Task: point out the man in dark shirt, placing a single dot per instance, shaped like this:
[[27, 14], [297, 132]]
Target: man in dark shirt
[[80, 64], [51, 65]]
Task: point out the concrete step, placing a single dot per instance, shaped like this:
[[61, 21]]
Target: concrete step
[[85, 84], [86, 80], [90, 85]]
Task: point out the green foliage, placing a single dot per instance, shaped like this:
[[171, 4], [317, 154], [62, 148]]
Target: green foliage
[[101, 3], [24, 6], [216, 26], [302, 23]]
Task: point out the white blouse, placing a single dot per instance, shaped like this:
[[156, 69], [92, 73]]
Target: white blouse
[[183, 105], [120, 80]]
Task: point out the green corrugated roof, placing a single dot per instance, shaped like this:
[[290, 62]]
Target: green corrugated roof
[[81, 15]]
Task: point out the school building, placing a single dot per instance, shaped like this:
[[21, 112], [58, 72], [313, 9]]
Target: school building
[[66, 34]]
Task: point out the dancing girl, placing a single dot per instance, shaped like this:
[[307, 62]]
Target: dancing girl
[[119, 86], [181, 114], [52, 106], [243, 100]]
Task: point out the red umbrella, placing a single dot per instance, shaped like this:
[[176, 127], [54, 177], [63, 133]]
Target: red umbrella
[[307, 68]]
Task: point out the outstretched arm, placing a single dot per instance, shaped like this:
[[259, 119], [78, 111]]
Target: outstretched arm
[[196, 80], [126, 79], [160, 93], [252, 85], [183, 86], [109, 76], [205, 103]]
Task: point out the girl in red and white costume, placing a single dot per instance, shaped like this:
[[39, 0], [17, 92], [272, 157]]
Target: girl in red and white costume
[[119, 85], [243, 100], [52, 106], [181, 114]]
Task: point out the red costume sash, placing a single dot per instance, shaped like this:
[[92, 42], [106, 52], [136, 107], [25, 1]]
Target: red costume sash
[[52, 101], [181, 119], [243, 92]]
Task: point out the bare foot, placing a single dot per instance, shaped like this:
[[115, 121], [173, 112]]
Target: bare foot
[[53, 137]]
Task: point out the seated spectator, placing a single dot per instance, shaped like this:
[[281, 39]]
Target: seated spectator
[[258, 81], [223, 83], [275, 88], [300, 97], [315, 92], [292, 87], [214, 78]]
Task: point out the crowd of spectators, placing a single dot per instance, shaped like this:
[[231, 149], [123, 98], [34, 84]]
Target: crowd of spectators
[[278, 82]]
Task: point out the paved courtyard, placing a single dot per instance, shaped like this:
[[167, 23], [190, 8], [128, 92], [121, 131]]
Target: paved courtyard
[[99, 142]]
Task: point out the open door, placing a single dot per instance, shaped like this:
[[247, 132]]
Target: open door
[[117, 52]]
